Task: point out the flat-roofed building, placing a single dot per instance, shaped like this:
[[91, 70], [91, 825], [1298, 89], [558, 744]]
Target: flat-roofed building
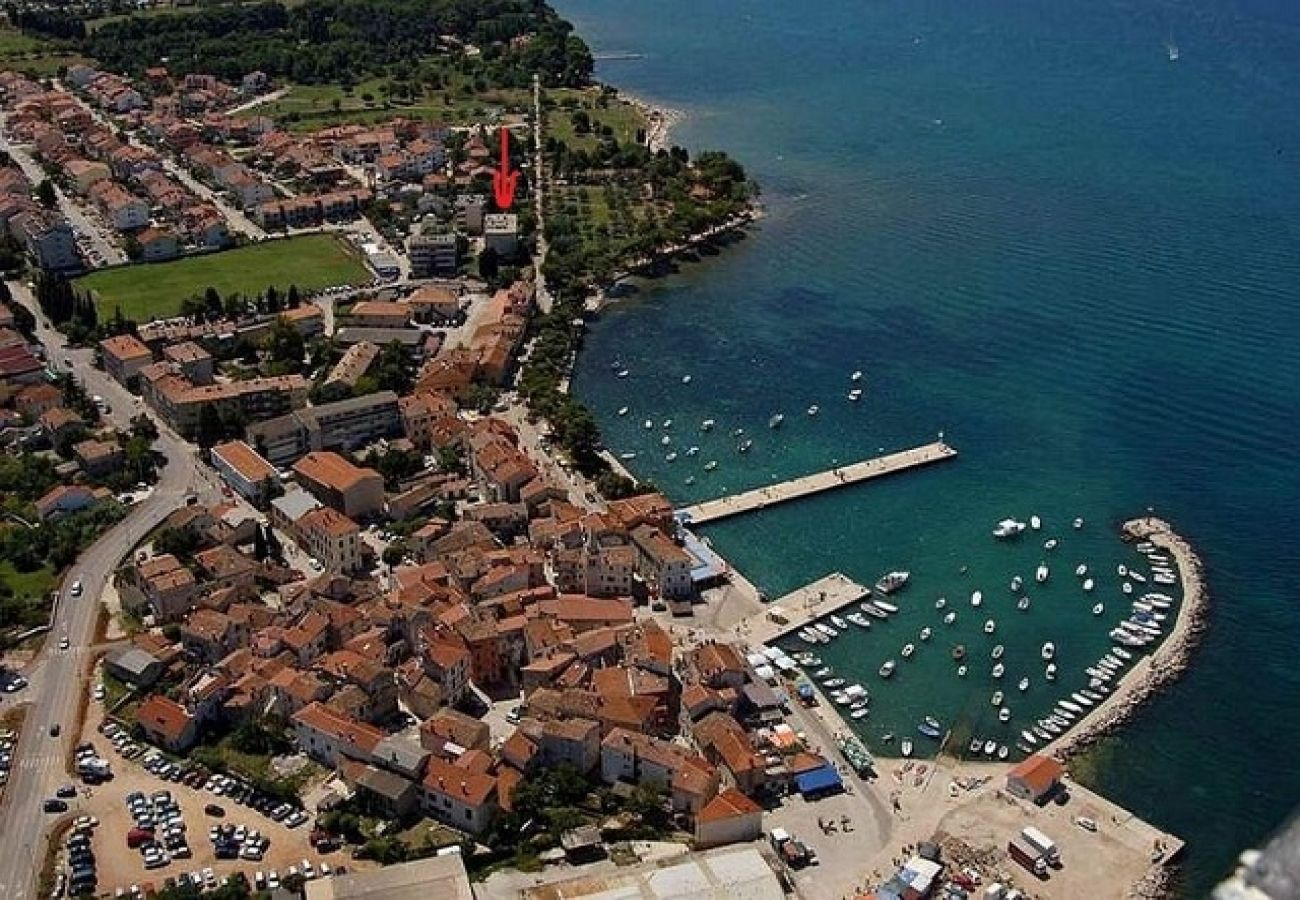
[[343, 425], [247, 472]]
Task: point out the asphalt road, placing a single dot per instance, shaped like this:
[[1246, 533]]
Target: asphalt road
[[58, 677]]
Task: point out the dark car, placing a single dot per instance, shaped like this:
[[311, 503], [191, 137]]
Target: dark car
[[55, 806], [66, 790], [213, 809], [55, 729]]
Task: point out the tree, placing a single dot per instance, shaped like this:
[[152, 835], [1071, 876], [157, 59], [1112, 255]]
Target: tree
[[285, 346], [177, 542], [489, 264], [46, 194], [260, 550]]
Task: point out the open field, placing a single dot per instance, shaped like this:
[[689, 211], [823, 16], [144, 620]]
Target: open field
[[308, 107], [30, 593], [621, 117], [147, 292], [33, 55]]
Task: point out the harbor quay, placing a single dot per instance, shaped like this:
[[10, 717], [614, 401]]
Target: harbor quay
[[799, 607], [816, 483]]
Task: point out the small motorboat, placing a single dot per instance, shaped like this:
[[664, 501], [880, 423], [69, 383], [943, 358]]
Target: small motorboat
[[997, 652], [814, 409], [1008, 528], [1022, 604], [839, 623], [665, 440], [1126, 587], [961, 671], [622, 373], [925, 633], [1121, 570], [1035, 522], [859, 620], [941, 603], [692, 450], [908, 650], [1041, 574], [1078, 523], [668, 423], [1137, 576], [860, 713], [886, 606], [671, 457], [710, 465], [996, 699], [622, 410], [1028, 737], [834, 682], [776, 420], [872, 610], [648, 424], [959, 652], [1098, 609], [1003, 752], [976, 598], [999, 670], [906, 746], [1017, 583], [631, 454], [888, 668], [1050, 544], [690, 479], [1023, 685], [1050, 672], [892, 581], [855, 395], [990, 747], [856, 376], [1088, 584], [950, 618], [707, 425], [975, 744], [1080, 570], [929, 730], [1080, 699], [825, 629], [1048, 651], [1004, 714], [990, 626], [1121, 652], [744, 446], [823, 672]]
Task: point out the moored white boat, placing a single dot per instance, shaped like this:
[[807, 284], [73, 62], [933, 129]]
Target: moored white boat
[[839, 623], [872, 610], [1004, 714], [1088, 584], [1023, 685], [1008, 528], [887, 668], [1042, 573], [998, 651], [1048, 650], [1035, 522], [908, 650], [950, 618], [976, 598], [622, 410], [1017, 583], [941, 603], [1081, 570], [996, 699], [998, 670], [990, 626], [886, 606], [1050, 672], [1098, 609], [925, 633], [1022, 604], [892, 581]]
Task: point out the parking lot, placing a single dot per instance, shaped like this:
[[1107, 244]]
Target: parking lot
[[159, 821]]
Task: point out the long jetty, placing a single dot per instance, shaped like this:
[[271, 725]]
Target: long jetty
[[816, 483]]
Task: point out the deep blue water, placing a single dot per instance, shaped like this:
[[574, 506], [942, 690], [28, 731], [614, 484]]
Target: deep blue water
[[1032, 230]]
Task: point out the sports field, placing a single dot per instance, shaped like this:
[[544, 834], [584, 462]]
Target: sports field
[[155, 291]]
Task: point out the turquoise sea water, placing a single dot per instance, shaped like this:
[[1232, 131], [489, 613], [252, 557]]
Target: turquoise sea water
[[1079, 259]]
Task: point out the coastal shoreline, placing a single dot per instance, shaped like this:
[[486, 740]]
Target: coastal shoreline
[[1166, 663], [660, 120]]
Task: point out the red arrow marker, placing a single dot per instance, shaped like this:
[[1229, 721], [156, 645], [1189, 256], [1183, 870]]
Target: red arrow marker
[[504, 181]]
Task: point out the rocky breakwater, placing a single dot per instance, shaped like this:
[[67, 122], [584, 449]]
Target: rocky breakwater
[[1170, 658]]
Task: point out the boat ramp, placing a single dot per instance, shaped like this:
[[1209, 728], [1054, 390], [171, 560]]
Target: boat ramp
[[816, 483]]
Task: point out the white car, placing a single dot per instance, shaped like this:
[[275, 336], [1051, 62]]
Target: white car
[[100, 692], [76, 588], [64, 643]]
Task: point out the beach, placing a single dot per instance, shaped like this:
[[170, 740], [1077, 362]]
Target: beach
[[660, 121]]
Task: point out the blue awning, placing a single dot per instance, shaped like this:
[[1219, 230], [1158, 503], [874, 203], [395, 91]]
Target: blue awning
[[819, 781]]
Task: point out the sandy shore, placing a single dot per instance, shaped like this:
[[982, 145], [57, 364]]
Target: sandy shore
[[1169, 659]]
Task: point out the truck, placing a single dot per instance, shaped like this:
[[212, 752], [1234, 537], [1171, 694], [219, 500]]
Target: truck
[[1027, 856], [1043, 844]]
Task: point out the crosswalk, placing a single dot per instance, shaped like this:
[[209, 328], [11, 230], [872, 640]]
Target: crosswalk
[[37, 762]]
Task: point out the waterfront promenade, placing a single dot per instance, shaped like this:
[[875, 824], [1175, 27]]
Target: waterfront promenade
[[816, 483]]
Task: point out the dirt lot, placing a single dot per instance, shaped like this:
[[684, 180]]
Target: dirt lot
[[120, 867]]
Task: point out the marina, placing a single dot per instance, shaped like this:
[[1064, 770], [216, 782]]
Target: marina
[[816, 483]]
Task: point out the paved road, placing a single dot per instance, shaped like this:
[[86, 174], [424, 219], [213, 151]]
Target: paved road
[[544, 300], [235, 220], [58, 676], [86, 228]]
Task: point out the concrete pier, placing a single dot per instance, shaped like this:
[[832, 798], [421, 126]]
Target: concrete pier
[[806, 485], [797, 608]]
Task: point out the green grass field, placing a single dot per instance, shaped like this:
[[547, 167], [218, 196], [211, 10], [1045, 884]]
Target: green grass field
[[146, 292], [309, 107], [621, 117]]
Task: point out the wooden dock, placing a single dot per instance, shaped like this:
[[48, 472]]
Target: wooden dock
[[797, 608], [807, 485]]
